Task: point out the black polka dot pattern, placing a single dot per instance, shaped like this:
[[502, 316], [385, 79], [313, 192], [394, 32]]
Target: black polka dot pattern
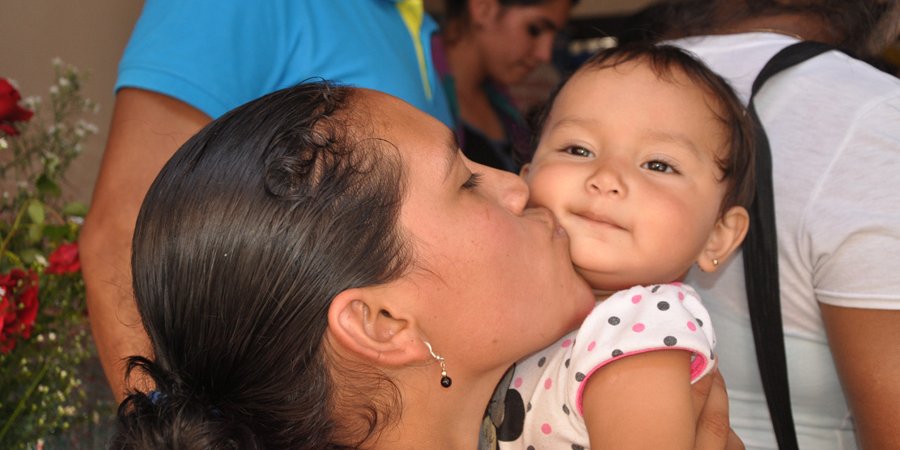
[[542, 361], [663, 306], [565, 409], [616, 353], [567, 362], [699, 322], [577, 447], [579, 377], [614, 320], [670, 341]]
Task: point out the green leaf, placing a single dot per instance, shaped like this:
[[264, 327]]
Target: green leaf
[[35, 232], [56, 232], [28, 255], [77, 209], [36, 211], [47, 187]]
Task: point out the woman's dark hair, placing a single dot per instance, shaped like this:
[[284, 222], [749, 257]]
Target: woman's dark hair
[[854, 23], [246, 235], [738, 161]]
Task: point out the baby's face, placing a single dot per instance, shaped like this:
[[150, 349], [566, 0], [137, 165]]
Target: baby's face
[[627, 161]]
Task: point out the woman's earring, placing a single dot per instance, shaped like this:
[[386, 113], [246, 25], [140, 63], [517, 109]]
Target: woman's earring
[[715, 262], [445, 380]]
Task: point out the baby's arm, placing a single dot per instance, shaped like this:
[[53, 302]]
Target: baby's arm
[[658, 340], [642, 401]]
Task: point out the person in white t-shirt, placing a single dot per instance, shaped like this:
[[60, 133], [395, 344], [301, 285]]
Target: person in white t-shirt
[[833, 124]]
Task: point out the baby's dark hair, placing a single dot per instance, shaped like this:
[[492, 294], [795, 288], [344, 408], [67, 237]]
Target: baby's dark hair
[[738, 163], [242, 241]]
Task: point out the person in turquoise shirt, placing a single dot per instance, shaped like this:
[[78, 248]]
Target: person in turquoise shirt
[[188, 62]]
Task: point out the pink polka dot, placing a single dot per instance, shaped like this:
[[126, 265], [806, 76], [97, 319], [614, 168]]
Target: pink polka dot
[[548, 383], [638, 327], [518, 382], [676, 283], [545, 428], [592, 345], [691, 326], [566, 343], [636, 299], [680, 295]]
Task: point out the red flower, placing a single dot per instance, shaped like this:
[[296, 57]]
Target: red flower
[[10, 111], [64, 259], [18, 306]]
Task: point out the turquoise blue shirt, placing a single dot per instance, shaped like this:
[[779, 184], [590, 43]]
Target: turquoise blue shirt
[[217, 54]]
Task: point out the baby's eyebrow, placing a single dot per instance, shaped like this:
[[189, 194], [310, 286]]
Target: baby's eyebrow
[[676, 138]]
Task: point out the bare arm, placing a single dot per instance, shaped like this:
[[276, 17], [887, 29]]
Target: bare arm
[[642, 401], [865, 344], [146, 130]]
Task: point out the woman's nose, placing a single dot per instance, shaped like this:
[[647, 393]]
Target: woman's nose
[[510, 190]]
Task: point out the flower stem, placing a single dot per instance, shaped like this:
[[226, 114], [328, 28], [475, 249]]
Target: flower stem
[[21, 405], [13, 229]]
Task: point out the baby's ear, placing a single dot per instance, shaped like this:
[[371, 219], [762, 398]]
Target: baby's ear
[[363, 324], [725, 238]]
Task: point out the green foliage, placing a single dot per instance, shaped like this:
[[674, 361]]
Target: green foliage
[[42, 371]]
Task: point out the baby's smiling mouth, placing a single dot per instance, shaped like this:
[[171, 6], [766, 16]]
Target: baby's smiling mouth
[[600, 220]]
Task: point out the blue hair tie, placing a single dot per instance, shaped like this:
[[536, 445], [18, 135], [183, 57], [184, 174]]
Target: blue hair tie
[[156, 397]]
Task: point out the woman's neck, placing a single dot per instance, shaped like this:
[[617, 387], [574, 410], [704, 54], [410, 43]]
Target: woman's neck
[[438, 418]]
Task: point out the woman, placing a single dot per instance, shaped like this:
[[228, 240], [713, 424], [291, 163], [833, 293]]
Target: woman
[[313, 272], [485, 46]]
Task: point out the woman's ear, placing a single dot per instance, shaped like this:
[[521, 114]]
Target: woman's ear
[[725, 238], [363, 324]]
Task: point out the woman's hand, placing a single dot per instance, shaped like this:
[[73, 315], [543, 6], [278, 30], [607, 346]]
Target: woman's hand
[[711, 414]]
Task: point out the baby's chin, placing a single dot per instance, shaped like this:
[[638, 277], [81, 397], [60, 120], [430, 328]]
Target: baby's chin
[[605, 282]]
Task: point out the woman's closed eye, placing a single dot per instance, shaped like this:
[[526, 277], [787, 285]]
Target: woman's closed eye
[[659, 166], [472, 182]]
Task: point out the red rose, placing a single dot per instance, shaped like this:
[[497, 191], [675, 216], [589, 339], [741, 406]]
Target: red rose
[[10, 111], [18, 307], [64, 259]]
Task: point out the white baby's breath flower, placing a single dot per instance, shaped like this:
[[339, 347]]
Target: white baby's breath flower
[[63, 81], [32, 101], [3, 144], [54, 90], [51, 336], [40, 338], [56, 61], [41, 260]]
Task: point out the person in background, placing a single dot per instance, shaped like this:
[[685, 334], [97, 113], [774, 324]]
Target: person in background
[[190, 61], [833, 124], [484, 47]]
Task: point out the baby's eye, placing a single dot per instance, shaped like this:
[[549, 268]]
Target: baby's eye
[[534, 30], [472, 182], [659, 166], [579, 151]]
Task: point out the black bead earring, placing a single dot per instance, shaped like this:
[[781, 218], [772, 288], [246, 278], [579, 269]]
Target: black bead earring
[[445, 380]]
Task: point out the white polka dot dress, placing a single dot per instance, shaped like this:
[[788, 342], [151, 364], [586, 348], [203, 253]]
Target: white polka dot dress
[[547, 386]]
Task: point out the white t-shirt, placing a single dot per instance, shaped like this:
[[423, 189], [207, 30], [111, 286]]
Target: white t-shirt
[[833, 125], [544, 400]]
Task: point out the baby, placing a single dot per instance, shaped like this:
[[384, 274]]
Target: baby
[[646, 158]]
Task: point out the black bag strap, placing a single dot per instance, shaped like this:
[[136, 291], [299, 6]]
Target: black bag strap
[[760, 250]]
